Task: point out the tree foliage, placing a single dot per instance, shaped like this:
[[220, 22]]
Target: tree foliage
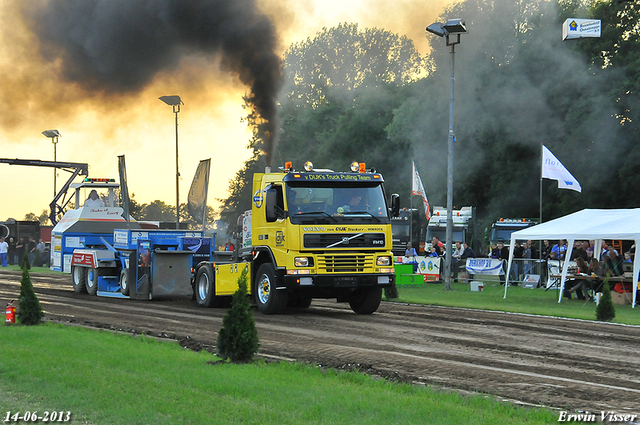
[[367, 95]]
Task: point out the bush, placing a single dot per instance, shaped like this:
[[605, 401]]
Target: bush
[[605, 311], [29, 311], [238, 338]]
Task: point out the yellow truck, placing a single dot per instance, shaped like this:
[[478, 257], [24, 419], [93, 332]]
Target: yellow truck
[[311, 233]]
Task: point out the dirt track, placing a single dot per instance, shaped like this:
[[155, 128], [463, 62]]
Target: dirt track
[[566, 364]]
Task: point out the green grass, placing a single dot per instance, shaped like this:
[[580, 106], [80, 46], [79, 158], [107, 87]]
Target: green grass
[[518, 300], [107, 378], [33, 269]]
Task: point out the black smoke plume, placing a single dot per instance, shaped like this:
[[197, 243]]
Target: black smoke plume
[[118, 46]]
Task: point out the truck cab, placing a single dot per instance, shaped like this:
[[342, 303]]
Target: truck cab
[[316, 233]]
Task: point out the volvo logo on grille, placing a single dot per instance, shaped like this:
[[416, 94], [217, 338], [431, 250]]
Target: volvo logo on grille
[[345, 241]]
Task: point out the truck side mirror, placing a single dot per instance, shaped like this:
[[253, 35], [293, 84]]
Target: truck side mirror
[[395, 205]]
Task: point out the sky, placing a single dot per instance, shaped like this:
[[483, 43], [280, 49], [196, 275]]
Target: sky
[[99, 122]]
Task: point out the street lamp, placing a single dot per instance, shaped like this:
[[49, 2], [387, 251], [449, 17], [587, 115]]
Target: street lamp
[[53, 135], [175, 102], [453, 27]]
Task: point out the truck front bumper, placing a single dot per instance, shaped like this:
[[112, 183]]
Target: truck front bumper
[[339, 280]]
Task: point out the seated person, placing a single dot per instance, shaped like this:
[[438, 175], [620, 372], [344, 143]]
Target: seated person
[[579, 286], [596, 270], [613, 263], [93, 200], [355, 204]]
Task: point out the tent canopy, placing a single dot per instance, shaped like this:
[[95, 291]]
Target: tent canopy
[[587, 224]]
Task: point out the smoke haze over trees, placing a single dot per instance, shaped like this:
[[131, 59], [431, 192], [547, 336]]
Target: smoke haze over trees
[[364, 94]]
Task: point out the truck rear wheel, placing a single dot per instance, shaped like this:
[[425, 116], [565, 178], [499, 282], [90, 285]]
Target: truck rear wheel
[[268, 298], [124, 282], [79, 279], [205, 288], [365, 300]]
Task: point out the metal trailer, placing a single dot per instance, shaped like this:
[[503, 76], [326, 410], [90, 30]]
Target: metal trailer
[[141, 264]]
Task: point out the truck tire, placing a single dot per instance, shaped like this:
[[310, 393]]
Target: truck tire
[[268, 298], [205, 288], [365, 300], [124, 282], [92, 280], [79, 279]]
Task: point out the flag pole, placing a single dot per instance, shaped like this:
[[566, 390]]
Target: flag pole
[[411, 206], [541, 165]]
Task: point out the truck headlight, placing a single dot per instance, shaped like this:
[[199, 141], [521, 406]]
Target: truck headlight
[[301, 261], [383, 261]]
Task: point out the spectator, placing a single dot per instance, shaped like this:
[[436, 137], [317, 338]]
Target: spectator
[[457, 254], [614, 263], [579, 286], [438, 244], [534, 249], [411, 254], [434, 252], [20, 250], [4, 250], [518, 251], [627, 257], [546, 249], [467, 252], [579, 251], [588, 246], [560, 249], [229, 246], [526, 255], [501, 253], [12, 253], [31, 249], [596, 270]]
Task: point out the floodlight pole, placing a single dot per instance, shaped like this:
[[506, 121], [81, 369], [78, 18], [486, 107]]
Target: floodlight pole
[[452, 28], [451, 139], [176, 109], [53, 135], [175, 102]]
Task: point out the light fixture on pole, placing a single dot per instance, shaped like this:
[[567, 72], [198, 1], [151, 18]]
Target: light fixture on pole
[[175, 102], [453, 27], [53, 135]]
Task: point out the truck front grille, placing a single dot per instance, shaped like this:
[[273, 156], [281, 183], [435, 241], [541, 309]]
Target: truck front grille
[[348, 263], [342, 240]]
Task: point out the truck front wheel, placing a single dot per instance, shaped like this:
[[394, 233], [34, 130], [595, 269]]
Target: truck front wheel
[[365, 300], [79, 279], [268, 298], [92, 279]]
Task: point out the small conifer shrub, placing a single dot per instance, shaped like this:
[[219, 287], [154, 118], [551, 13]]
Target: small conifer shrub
[[238, 338], [605, 311], [29, 311]]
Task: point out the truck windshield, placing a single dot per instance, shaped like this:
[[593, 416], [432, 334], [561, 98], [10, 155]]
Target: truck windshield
[[309, 204]]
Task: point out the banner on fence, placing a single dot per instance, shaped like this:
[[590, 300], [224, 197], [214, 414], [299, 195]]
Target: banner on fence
[[484, 266]]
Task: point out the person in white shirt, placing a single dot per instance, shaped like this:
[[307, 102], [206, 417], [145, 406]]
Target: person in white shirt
[[4, 248], [93, 200]]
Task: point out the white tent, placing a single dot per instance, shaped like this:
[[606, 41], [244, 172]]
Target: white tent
[[584, 225]]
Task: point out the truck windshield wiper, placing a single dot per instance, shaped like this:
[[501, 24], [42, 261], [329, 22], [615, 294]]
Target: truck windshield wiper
[[312, 213], [355, 213]]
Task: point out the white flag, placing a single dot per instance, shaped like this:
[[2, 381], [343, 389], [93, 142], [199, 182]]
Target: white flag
[[418, 189], [554, 170]]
